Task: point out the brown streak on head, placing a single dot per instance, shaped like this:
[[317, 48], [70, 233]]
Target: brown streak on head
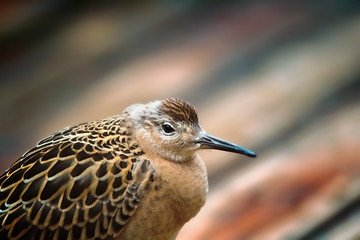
[[179, 110]]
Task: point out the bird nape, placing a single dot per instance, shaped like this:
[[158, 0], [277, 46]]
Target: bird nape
[[131, 176]]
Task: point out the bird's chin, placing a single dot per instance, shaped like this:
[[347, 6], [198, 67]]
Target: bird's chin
[[181, 157]]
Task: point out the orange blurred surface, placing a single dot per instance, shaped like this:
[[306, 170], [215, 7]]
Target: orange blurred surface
[[279, 77]]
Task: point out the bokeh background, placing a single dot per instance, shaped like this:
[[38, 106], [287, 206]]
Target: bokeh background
[[281, 78]]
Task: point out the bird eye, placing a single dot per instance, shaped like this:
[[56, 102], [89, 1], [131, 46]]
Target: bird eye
[[167, 128]]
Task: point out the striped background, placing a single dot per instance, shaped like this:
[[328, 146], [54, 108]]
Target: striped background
[[281, 78]]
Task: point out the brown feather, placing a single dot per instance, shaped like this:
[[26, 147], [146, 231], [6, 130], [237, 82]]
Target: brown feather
[[179, 110], [64, 186]]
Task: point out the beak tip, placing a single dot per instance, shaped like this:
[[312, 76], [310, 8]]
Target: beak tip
[[250, 154]]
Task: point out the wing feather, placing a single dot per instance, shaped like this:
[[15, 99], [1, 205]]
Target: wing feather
[[83, 182]]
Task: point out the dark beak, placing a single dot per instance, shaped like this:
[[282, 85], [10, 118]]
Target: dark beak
[[210, 142]]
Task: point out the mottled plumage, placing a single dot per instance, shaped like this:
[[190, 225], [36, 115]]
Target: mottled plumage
[[117, 178]]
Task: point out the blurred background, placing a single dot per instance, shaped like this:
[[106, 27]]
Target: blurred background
[[281, 78]]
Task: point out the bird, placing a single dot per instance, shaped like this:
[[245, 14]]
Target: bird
[[136, 175]]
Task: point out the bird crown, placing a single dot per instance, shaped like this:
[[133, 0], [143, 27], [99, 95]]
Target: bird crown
[[179, 110]]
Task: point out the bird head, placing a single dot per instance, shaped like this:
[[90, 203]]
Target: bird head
[[172, 130]]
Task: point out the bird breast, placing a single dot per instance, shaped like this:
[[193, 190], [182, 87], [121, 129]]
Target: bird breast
[[181, 193], [185, 183]]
